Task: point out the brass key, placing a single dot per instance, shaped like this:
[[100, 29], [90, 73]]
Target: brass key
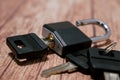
[[66, 67]]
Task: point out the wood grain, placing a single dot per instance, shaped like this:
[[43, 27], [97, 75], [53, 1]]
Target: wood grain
[[109, 13], [8, 9], [25, 16]]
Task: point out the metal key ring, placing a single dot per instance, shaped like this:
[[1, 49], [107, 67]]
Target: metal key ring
[[97, 22]]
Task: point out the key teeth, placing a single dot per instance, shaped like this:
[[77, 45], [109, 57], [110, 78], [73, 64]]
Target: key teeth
[[43, 74], [66, 67], [48, 72]]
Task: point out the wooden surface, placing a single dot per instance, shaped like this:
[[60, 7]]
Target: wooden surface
[[25, 16]]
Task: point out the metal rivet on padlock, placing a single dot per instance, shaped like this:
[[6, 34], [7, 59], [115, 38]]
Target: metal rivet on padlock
[[64, 37]]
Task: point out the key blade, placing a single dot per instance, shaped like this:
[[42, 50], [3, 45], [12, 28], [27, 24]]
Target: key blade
[[59, 69], [111, 76]]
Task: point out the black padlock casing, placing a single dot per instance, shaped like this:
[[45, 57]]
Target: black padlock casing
[[99, 60], [32, 45], [68, 38]]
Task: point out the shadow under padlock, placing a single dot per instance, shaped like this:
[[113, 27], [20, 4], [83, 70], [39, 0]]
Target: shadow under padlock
[[60, 37]]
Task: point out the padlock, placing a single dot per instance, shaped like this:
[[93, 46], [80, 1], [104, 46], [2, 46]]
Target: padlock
[[64, 37]]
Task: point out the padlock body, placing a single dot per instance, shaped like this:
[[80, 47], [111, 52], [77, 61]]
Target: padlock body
[[67, 37]]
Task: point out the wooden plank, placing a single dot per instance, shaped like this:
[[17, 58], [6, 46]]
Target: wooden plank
[[29, 18], [8, 9], [108, 11]]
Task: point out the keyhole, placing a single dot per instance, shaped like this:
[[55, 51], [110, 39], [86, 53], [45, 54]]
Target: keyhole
[[19, 44]]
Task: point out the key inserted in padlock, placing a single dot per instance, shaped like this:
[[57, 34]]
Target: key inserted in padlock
[[65, 38], [92, 60]]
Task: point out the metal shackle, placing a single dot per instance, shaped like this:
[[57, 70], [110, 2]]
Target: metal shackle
[[97, 22]]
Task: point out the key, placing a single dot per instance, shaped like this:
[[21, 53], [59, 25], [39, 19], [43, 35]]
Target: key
[[77, 61], [81, 62], [67, 38], [111, 69], [66, 67], [100, 60], [109, 75], [26, 46]]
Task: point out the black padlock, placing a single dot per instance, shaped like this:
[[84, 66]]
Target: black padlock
[[67, 38], [26, 46]]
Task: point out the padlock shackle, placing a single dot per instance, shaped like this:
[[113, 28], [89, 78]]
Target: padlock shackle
[[101, 24]]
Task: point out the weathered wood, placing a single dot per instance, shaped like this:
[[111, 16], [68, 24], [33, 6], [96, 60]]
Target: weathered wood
[[30, 18], [7, 10], [29, 15], [108, 11]]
